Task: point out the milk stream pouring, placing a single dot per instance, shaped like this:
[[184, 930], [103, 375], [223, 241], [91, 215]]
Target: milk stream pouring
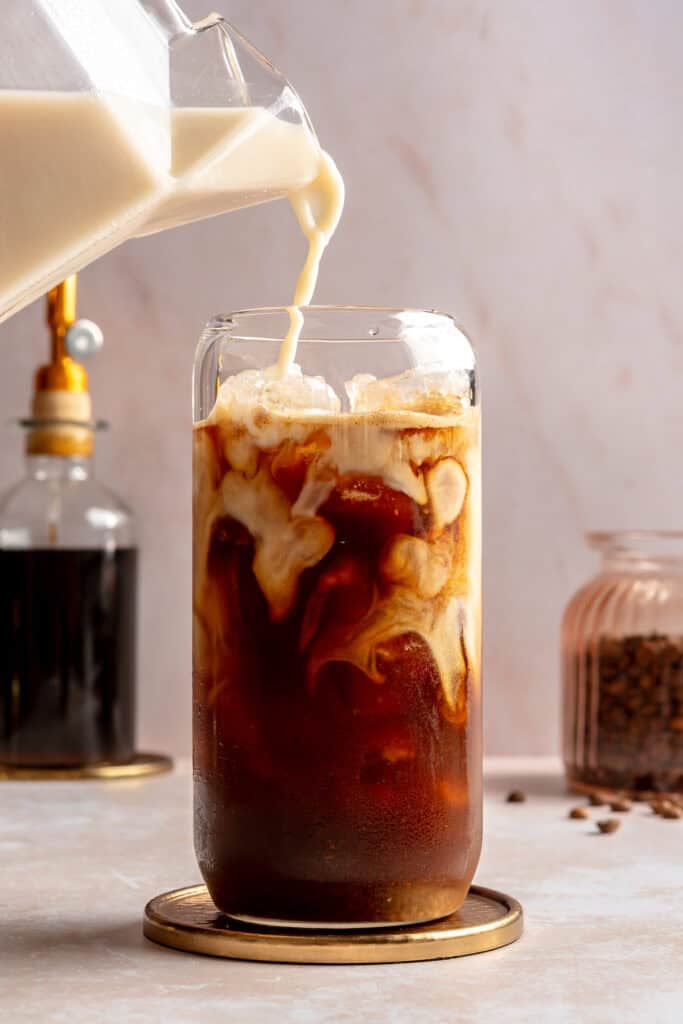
[[114, 133]]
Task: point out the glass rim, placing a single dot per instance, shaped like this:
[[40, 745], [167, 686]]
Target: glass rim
[[417, 319], [657, 544]]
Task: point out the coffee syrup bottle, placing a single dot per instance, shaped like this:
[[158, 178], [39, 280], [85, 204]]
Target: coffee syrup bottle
[[68, 578]]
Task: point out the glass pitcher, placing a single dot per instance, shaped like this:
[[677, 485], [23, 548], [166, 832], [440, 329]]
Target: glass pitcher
[[122, 119], [337, 736]]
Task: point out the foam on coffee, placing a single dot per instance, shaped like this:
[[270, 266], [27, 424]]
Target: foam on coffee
[[425, 454]]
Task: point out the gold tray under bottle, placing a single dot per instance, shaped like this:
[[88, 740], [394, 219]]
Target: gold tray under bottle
[[139, 766], [187, 920]]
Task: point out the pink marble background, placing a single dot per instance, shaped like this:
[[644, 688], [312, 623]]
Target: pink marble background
[[517, 163]]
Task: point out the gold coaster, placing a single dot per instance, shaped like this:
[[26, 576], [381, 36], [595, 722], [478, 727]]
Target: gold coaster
[[186, 919], [140, 765]]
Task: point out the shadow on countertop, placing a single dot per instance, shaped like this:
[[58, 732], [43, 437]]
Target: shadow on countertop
[[69, 945], [65, 941]]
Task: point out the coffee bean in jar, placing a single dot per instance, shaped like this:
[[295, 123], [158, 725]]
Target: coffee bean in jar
[[622, 666]]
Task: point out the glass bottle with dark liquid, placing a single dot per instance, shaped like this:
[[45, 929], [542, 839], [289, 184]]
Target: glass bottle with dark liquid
[[68, 581]]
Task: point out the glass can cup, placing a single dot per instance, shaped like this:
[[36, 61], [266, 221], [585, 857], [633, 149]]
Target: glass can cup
[[622, 668], [336, 599]]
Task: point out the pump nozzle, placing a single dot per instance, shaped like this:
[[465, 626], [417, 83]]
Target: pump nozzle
[[62, 373], [61, 402]]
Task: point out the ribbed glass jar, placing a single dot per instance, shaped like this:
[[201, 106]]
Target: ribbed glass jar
[[622, 666]]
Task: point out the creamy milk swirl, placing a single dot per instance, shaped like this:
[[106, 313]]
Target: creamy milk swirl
[[422, 459]]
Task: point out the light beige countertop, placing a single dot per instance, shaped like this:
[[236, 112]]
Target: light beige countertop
[[78, 861]]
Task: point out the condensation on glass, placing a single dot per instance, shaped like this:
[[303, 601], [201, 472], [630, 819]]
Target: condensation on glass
[[337, 746]]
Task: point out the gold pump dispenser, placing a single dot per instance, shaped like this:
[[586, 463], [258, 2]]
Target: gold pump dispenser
[[61, 408]]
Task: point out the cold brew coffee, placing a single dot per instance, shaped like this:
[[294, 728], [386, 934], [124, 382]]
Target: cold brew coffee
[[336, 649], [67, 656]]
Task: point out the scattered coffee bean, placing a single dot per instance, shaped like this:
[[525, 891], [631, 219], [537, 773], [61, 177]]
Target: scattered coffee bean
[[516, 797], [597, 799], [621, 804], [661, 804], [578, 812], [608, 825], [671, 811]]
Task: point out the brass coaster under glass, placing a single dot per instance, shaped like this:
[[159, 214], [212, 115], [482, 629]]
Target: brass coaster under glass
[[187, 920], [139, 766]]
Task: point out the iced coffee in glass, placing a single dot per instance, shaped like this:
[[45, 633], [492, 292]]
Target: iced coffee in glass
[[337, 749]]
